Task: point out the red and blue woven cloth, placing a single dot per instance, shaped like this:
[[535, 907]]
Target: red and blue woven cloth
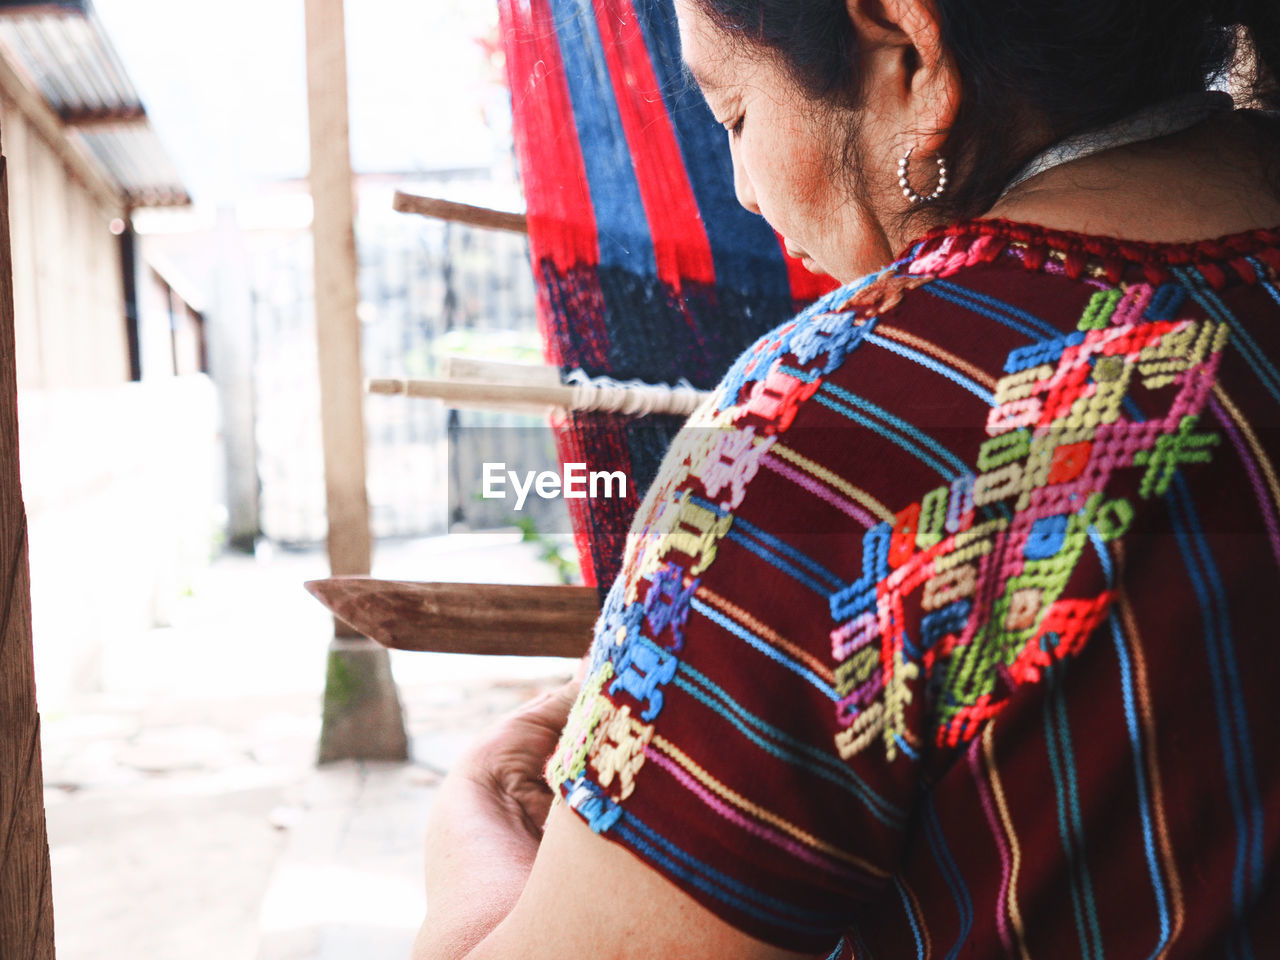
[[949, 627], [646, 266]]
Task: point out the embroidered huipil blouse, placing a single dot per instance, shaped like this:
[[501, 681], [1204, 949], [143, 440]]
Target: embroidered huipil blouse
[[950, 626]]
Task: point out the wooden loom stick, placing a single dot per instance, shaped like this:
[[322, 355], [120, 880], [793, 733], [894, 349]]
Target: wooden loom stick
[[477, 618], [470, 392], [602, 395], [460, 212]]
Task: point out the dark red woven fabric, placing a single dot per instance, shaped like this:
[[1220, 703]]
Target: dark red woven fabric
[[951, 630]]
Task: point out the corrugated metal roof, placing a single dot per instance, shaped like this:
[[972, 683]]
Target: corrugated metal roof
[[138, 162], [32, 6], [68, 58]]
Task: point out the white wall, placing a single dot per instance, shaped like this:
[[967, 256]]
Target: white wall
[[119, 488]]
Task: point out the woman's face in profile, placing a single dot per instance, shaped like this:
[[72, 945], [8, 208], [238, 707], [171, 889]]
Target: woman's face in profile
[[788, 152]]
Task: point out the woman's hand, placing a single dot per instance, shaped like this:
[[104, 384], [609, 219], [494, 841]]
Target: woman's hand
[[486, 824], [507, 762], [486, 830]]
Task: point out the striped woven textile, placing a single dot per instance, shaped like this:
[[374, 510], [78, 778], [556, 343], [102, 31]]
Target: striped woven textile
[[645, 264], [950, 629]]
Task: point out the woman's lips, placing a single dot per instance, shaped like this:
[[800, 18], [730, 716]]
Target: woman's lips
[[807, 262], [802, 255]]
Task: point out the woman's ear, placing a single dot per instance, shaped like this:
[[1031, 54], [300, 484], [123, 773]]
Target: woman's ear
[[905, 60]]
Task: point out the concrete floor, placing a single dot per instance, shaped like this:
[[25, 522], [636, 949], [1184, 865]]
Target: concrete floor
[[187, 820]]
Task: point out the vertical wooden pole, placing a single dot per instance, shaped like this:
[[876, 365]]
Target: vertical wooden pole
[[26, 898], [362, 716], [333, 230]]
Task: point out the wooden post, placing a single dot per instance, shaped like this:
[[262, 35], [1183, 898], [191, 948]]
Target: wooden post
[[26, 899], [362, 715]]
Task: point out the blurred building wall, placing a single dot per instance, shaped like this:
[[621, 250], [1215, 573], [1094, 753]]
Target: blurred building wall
[[117, 475], [68, 297]]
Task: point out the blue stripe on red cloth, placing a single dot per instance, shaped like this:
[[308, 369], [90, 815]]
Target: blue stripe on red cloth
[[746, 253], [720, 885], [623, 231]]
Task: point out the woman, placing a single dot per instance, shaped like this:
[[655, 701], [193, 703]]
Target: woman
[[946, 629]]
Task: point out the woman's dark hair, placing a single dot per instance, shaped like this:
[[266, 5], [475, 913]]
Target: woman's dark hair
[[1073, 66]]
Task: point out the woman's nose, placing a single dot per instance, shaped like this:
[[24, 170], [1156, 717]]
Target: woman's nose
[[742, 183]]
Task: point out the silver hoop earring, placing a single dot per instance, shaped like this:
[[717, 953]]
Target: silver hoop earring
[[905, 184]]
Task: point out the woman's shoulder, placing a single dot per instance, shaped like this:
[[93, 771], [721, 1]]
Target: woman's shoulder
[[963, 300], [970, 421]]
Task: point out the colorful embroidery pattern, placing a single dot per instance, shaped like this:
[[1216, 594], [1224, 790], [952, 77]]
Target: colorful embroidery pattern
[[991, 589], [1058, 433], [847, 573], [717, 455]]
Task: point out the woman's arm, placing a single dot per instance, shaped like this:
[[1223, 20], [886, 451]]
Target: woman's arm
[[589, 897], [498, 887], [486, 825]]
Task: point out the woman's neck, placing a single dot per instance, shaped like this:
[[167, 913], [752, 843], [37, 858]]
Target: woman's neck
[[1216, 179]]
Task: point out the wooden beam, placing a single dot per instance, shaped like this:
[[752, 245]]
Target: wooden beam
[[26, 900], [114, 117], [460, 212], [51, 128], [336, 291], [606, 397], [479, 618], [362, 718], [468, 393], [153, 198], [68, 8]]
